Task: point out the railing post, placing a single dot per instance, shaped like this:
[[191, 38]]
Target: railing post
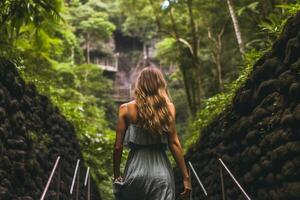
[[87, 183], [58, 182], [50, 178], [190, 175], [76, 173], [234, 179], [89, 188], [197, 178], [222, 183], [77, 188]]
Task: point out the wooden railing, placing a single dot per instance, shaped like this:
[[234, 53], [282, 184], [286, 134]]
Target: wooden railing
[[107, 64]]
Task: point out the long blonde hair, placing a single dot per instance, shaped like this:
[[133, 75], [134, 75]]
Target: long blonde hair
[[152, 97]]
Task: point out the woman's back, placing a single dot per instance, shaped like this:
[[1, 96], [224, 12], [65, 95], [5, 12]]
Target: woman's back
[[132, 110], [136, 135]]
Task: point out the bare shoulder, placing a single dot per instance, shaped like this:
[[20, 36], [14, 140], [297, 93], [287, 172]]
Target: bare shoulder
[[171, 108], [127, 103], [131, 102], [123, 107], [171, 105]]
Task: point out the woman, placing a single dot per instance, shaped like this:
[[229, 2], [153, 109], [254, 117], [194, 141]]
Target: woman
[[146, 125]]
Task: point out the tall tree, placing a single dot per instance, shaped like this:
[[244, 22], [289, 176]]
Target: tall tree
[[91, 22], [236, 26], [186, 47]]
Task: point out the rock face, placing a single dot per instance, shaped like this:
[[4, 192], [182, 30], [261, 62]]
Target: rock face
[[258, 136], [32, 134]]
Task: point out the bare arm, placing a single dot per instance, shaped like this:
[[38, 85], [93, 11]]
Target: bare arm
[[118, 147], [176, 150]]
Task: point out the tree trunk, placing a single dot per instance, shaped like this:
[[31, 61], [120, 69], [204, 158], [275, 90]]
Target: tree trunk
[[192, 81], [236, 27], [88, 48], [217, 53], [189, 64], [193, 28], [219, 70]]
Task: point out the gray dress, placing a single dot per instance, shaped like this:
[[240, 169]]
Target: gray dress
[[148, 173]]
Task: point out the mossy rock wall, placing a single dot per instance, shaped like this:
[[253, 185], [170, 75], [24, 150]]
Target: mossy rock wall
[[258, 136], [33, 133]]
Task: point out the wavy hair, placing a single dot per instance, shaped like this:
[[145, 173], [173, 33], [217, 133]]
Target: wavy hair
[[152, 97]]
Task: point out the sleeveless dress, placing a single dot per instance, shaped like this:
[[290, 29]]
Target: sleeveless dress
[[148, 173]]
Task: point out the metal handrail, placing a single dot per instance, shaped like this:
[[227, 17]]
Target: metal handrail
[[57, 167], [222, 183], [86, 176], [50, 179], [234, 179], [76, 172], [87, 183], [197, 177]]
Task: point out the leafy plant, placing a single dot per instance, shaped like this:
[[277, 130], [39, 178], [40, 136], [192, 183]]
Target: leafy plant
[[290, 8], [274, 23]]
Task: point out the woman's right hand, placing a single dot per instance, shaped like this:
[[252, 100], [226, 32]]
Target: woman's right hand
[[187, 188], [119, 178]]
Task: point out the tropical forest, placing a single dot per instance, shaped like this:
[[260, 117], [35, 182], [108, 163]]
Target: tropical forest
[[233, 73]]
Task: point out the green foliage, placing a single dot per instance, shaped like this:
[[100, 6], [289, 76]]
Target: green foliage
[[252, 7], [87, 20], [48, 53], [16, 14], [269, 28], [178, 97], [91, 23], [31, 19], [166, 51], [290, 8], [138, 22], [218, 103], [273, 24], [212, 107]]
